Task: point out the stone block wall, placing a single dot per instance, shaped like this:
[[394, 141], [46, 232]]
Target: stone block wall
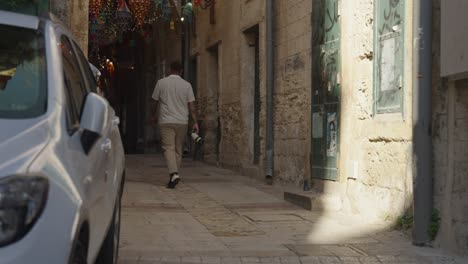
[[450, 144], [224, 79], [375, 157], [376, 149], [74, 14], [460, 170], [293, 36]]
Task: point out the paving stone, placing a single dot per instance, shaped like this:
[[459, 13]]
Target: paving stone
[[216, 216], [148, 262], [330, 260], [250, 260], [272, 260], [191, 260], [211, 260], [310, 260], [387, 258], [128, 261], [170, 260], [230, 260], [350, 260], [290, 260], [369, 260]]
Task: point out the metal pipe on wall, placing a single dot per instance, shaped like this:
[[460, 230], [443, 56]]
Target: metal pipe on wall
[[185, 42], [422, 117], [269, 146]]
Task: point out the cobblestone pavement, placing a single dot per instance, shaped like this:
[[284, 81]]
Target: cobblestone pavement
[[217, 216]]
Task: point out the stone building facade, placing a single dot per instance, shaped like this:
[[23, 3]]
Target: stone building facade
[[450, 131], [223, 49], [74, 14], [373, 159], [374, 156], [371, 164]]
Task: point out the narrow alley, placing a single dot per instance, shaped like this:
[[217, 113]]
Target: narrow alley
[[312, 131], [218, 216]]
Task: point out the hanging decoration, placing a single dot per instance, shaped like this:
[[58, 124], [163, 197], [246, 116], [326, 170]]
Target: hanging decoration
[[103, 31], [172, 25], [188, 7], [204, 4], [187, 11], [166, 10], [95, 29], [140, 9], [108, 10], [95, 7], [123, 17], [110, 19], [108, 13], [158, 3]]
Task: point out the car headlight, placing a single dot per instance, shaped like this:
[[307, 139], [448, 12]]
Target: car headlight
[[22, 200]]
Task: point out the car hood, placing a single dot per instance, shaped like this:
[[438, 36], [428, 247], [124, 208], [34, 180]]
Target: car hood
[[20, 142]]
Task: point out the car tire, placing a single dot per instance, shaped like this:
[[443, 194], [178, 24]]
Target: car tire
[[109, 252]]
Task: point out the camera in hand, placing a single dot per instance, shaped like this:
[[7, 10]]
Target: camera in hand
[[196, 138]]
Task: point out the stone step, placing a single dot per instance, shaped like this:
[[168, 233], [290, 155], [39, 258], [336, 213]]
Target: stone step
[[314, 201]]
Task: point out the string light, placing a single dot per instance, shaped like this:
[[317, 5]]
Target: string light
[[172, 25], [95, 7], [109, 19], [123, 18], [140, 9]]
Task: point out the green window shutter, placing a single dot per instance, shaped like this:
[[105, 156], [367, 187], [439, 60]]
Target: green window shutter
[[389, 56]]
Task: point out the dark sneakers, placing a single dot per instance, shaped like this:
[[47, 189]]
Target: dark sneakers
[[173, 181]]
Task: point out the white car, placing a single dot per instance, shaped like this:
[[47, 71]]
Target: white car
[[61, 154]]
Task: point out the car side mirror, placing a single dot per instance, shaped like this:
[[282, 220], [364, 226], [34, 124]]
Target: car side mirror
[[93, 120]]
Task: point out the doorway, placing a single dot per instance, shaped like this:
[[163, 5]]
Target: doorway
[[213, 119], [325, 89], [251, 88]]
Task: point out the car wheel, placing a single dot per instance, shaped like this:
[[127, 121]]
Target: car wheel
[[110, 248], [79, 253]]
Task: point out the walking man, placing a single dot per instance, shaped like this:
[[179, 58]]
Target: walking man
[[175, 99]]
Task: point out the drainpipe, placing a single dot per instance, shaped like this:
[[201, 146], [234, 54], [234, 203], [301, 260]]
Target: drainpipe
[[185, 42], [269, 146], [422, 116]]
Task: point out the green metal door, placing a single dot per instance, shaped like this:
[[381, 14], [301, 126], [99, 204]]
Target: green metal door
[[325, 89]]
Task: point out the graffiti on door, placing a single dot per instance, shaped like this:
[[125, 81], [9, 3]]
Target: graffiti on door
[[325, 88]]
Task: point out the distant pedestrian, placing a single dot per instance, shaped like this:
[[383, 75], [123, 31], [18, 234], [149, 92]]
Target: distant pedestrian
[[175, 99]]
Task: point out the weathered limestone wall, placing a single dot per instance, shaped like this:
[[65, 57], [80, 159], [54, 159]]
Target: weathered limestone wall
[[376, 150], [450, 143], [79, 23], [376, 176], [292, 90], [375, 161], [225, 91], [74, 14]]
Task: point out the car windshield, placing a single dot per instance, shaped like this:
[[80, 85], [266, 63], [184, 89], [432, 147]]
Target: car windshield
[[23, 88]]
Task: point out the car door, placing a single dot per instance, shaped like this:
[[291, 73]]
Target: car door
[[91, 167], [114, 153]]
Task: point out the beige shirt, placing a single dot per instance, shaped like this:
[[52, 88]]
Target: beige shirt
[[173, 94]]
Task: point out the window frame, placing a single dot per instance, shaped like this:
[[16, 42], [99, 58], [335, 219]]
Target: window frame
[[377, 83], [85, 69], [73, 111]]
